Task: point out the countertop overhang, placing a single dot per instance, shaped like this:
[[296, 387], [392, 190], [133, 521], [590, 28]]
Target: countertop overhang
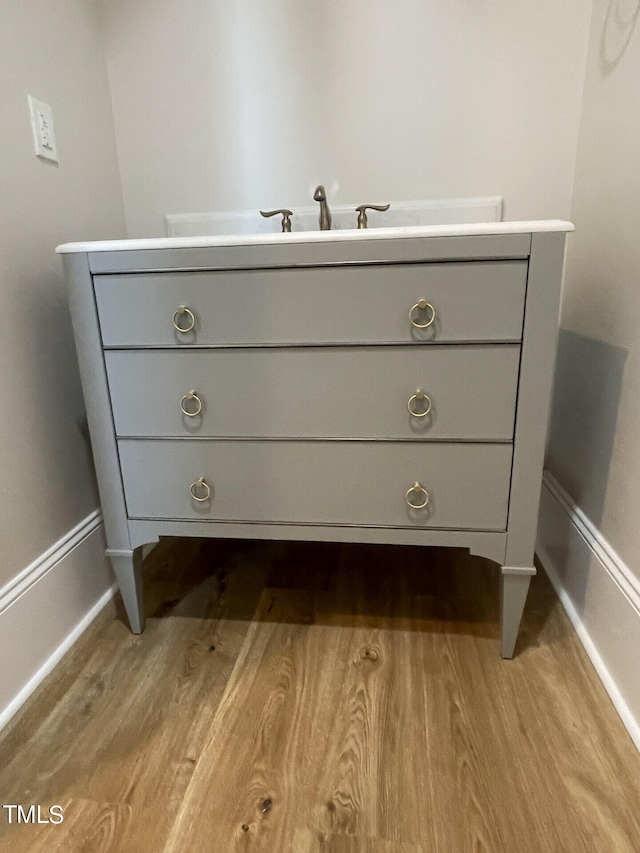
[[472, 229]]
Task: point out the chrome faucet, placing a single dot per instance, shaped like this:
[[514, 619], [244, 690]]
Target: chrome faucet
[[325, 214]]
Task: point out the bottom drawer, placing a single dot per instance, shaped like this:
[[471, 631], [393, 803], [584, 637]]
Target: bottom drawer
[[319, 482]]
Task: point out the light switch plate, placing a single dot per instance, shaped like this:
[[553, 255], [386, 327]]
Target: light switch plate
[[43, 133]]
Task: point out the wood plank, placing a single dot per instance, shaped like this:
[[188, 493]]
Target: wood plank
[[306, 841], [129, 729], [354, 702], [411, 722]]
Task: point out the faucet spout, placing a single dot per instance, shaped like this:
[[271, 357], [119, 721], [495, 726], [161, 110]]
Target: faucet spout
[[325, 214]]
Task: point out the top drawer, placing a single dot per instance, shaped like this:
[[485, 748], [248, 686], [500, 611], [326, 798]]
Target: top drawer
[[469, 301]]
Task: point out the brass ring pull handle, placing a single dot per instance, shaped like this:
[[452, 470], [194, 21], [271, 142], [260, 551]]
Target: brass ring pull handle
[[181, 311], [418, 489], [422, 304], [419, 395], [191, 396], [198, 485]]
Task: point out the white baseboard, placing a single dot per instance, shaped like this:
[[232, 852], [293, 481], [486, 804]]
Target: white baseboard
[[46, 608], [600, 594]]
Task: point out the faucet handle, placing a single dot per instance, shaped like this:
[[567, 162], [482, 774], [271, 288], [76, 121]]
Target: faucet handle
[[362, 212], [286, 214]]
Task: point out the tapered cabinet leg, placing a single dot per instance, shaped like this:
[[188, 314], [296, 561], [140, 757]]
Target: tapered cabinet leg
[[127, 566], [513, 595]]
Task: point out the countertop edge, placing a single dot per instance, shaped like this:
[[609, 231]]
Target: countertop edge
[[467, 229]]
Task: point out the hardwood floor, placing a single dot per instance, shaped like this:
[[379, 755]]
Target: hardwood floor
[[319, 698]]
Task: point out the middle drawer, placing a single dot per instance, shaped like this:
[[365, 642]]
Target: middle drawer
[[317, 392]]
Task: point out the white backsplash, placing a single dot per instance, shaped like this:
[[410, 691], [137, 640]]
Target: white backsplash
[[451, 211]]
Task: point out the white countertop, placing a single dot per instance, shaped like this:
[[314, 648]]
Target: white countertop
[[396, 233]]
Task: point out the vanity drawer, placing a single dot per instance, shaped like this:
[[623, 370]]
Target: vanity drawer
[[472, 301], [321, 392], [332, 482]]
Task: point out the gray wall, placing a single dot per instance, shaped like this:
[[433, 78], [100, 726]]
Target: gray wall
[[251, 103], [594, 448], [52, 51]]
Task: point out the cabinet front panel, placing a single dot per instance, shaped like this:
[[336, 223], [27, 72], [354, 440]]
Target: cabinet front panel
[[468, 301], [334, 392], [334, 482]]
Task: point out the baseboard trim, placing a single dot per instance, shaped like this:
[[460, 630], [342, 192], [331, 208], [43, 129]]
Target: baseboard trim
[[18, 701], [45, 562], [45, 609], [599, 593], [613, 564]]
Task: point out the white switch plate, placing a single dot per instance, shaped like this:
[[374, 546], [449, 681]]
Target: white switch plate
[[43, 134]]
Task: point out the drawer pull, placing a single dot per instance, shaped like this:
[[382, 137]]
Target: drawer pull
[[418, 490], [419, 395], [191, 396], [200, 485], [182, 310], [422, 305]]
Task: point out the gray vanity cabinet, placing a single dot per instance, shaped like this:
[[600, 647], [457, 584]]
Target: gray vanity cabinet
[[379, 390]]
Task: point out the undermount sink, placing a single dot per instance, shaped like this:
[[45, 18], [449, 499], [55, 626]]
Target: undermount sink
[[401, 214]]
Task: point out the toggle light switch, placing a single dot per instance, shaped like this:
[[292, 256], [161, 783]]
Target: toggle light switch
[[43, 133]]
